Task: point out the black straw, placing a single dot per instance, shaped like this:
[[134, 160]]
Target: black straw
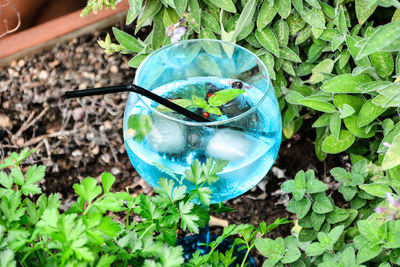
[[141, 91]]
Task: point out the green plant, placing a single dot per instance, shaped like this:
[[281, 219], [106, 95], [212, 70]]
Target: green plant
[[332, 60], [34, 230], [345, 234]]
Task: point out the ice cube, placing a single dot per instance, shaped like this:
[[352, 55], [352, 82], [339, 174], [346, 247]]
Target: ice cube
[[228, 144], [167, 136]]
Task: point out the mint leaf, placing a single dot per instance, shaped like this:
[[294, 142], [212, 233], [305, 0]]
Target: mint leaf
[[213, 110], [139, 125], [199, 102], [185, 103], [224, 96]]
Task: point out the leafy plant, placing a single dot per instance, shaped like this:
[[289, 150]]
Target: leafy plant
[[346, 234], [35, 231], [333, 61]]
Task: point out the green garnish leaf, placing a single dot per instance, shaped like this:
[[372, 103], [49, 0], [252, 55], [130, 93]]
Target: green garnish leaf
[[139, 125], [224, 96], [185, 103], [199, 102], [214, 110]]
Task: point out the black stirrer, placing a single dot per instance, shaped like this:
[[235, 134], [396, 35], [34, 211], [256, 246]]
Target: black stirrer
[[141, 91]]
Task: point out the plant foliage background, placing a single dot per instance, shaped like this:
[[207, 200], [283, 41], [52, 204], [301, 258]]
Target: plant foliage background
[[336, 62]]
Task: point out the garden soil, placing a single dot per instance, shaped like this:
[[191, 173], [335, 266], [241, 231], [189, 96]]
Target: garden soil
[[83, 137]]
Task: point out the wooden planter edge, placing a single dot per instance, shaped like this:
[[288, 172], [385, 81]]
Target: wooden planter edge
[[58, 30]]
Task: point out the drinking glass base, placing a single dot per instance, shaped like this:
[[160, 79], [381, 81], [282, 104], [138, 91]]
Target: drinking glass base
[[190, 245]]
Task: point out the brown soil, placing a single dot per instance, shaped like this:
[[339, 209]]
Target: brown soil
[[83, 137]]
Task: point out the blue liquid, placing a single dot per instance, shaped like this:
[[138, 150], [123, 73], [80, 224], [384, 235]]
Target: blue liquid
[[175, 145]]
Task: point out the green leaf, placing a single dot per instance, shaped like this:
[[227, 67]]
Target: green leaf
[[307, 234], [355, 102], [265, 246], [7, 258], [185, 103], [376, 189], [283, 7], [246, 17], [298, 5], [339, 174], [210, 22], [322, 121], [140, 124], [137, 60], [318, 105], [342, 25], [224, 96], [345, 83], [266, 14], [281, 30], [392, 156], [368, 252], [317, 220], [127, 41], [5, 180], [368, 113], [337, 41], [287, 53], [17, 175], [383, 63], [292, 253], [351, 125], [180, 6], [315, 249], [312, 18], [333, 146], [151, 9], [87, 189], [383, 38], [107, 180], [134, 9], [316, 186], [322, 204], [364, 9], [188, 220], [302, 207], [227, 5], [335, 124], [325, 66], [267, 38], [158, 35], [337, 215], [335, 233], [346, 111], [195, 11], [355, 50]]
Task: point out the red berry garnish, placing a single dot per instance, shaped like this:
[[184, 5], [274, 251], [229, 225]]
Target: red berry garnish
[[206, 114]]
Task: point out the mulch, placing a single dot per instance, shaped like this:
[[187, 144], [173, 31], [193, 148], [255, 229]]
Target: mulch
[[83, 137]]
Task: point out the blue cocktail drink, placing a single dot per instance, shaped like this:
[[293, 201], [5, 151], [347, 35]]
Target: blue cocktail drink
[[245, 131]]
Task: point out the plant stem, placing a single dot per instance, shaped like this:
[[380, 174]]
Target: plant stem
[[147, 229]]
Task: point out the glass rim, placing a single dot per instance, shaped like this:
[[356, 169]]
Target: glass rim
[[211, 123]]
